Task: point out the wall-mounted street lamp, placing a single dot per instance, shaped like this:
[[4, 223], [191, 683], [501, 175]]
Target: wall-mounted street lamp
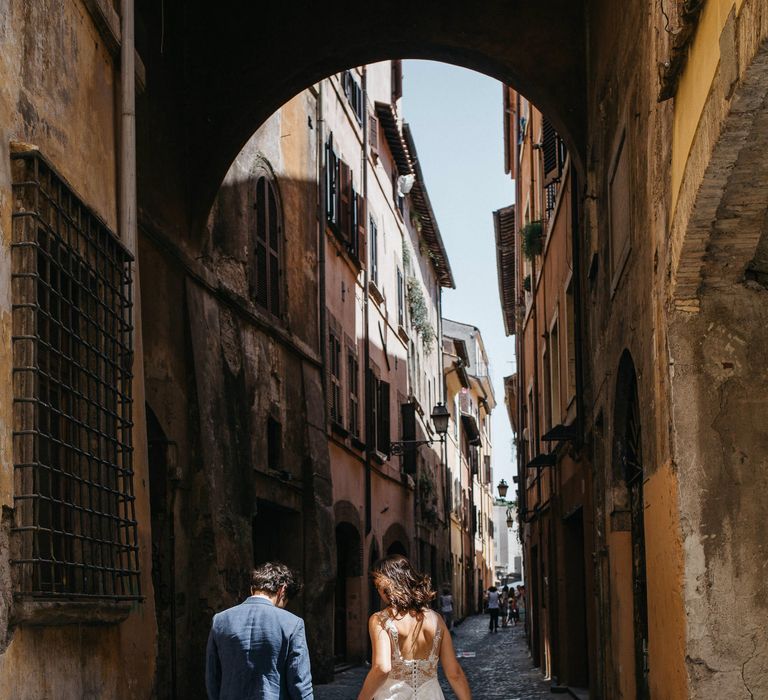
[[440, 418], [503, 487]]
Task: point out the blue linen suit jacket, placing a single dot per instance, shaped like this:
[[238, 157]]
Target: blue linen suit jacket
[[257, 651]]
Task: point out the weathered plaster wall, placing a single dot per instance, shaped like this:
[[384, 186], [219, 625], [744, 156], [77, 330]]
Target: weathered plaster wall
[[218, 365], [720, 392], [57, 92], [664, 558], [716, 342], [625, 310]]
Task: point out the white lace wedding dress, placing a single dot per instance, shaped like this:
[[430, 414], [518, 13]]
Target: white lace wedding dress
[[410, 679]]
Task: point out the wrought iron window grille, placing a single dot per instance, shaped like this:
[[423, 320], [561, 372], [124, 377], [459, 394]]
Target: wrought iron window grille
[[75, 524]]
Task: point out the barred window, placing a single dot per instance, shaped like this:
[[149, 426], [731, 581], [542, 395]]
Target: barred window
[[75, 522]]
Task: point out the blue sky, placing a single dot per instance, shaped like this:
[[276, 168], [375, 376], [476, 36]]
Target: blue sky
[[456, 119]]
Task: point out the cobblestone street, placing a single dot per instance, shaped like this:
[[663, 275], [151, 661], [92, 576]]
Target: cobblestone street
[[500, 670]]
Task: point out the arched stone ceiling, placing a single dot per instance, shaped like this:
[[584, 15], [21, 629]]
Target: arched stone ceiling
[[216, 71]]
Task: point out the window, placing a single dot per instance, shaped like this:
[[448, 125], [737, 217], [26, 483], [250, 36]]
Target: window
[[354, 94], [353, 384], [619, 212], [547, 388], [551, 153], [344, 207], [374, 251], [331, 185], [75, 520], [570, 321], [267, 248], [400, 299], [274, 444], [397, 80], [473, 460], [383, 417], [334, 367], [378, 398], [396, 194], [554, 358]]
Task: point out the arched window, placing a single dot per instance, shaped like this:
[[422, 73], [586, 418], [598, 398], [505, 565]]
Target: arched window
[[267, 256]]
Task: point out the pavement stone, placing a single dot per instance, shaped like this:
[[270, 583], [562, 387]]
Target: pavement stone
[[500, 670]]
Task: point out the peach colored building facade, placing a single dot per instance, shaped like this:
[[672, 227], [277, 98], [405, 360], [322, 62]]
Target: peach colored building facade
[[553, 481]]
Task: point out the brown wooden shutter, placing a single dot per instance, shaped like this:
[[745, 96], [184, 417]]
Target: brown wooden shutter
[[397, 80], [372, 408], [331, 184], [345, 202], [550, 149], [362, 239], [408, 416], [383, 440], [373, 133]]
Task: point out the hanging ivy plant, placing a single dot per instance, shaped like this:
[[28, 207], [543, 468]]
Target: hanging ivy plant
[[533, 239], [416, 220], [527, 283], [406, 257], [417, 306]]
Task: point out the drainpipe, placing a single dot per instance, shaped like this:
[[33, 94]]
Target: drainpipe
[[577, 308], [127, 201], [321, 311], [367, 428]]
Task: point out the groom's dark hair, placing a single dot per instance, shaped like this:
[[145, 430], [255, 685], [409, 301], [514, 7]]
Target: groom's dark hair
[[270, 577]]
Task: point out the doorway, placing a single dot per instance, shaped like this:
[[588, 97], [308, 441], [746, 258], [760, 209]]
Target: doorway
[[575, 653], [161, 502], [348, 567], [628, 466]]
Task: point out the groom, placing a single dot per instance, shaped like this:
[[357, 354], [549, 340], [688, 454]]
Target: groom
[[257, 649]]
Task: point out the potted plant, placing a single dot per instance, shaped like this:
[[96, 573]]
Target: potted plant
[[532, 239], [527, 283]]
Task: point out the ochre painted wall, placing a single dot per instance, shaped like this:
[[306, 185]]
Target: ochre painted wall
[[664, 562], [695, 83]]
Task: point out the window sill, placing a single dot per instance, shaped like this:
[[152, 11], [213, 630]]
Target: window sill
[[343, 248], [379, 457], [357, 443], [403, 334], [339, 429], [34, 612]]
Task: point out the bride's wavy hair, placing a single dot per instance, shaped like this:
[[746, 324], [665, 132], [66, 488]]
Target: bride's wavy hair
[[407, 589]]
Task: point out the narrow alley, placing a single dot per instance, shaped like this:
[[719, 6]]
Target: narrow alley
[[498, 666], [295, 293]]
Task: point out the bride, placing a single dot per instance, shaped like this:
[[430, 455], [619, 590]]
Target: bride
[[408, 639]]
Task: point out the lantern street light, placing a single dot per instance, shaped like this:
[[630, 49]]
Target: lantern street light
[[502, 486], [440, 419]]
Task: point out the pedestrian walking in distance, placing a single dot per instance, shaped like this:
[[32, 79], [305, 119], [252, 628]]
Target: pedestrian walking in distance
[[493, 601], [504, 607], [446, 608], [257, 650], [514, 613], [408, 639]]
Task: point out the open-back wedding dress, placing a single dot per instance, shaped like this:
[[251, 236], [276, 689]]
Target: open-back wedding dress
[[410, 679]]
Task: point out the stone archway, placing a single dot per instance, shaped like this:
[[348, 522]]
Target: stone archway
[[214, 77], [396, 540]]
